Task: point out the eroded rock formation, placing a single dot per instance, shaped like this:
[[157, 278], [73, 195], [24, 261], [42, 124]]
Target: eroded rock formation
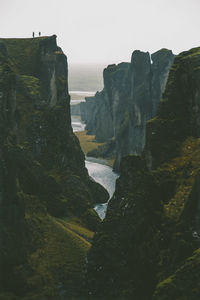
[[129, 99], [43, 179], [148, 245]]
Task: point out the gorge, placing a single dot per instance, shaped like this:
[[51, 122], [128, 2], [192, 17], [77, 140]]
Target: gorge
[[97, 168], [148, 245], [53, 244]]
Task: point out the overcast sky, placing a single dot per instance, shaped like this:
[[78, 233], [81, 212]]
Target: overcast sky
[[105, 31]]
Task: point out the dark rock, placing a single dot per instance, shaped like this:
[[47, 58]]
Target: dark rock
[[129, 99], [43, 178], [3, 50], [75, 110], [145, 247]]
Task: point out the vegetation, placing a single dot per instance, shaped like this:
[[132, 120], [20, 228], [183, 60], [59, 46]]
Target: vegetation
[[47, 218], [91, 148], [23, 54], [148, 245], [183, 284], [87, 142], [59, 256]]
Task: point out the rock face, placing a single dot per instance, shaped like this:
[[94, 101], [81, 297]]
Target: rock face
[[129, 99], [100, 112], [42, 175], [147, 247]]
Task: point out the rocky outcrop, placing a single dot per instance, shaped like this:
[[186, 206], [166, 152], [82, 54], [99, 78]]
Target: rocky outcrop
[[43, 179], [147, 246], [129, 99], [100, 112]]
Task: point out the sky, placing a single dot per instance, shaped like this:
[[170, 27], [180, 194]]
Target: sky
[[105, 31]]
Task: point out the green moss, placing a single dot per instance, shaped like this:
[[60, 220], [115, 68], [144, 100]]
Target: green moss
[[147, 226], [7, 296], [91, 219], [179, 176], [74, 224], [183, 284], [55, 255], [23, 54], [31, 84], [59, 258], [44, 179], [170, 127]]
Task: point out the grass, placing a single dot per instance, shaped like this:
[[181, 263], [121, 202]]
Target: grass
[[23, 54], [74, 224], [186, 167], [61, 255], [87, 142], [184, 283]]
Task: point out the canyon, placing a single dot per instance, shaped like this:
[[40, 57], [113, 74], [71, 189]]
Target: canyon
[[148, 245], [53, 244], [118, 114]]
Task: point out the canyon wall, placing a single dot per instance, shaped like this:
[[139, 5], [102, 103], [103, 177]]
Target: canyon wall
[[129, 99], [148, 245], [43, 180]]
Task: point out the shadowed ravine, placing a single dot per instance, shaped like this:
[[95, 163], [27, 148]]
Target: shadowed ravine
[[98, 170]]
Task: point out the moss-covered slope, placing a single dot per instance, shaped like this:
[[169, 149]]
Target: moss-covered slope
[[42, 176], [145, 248]]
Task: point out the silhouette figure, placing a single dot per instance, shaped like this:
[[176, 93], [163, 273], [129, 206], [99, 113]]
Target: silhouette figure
[[39, 33], [33, 34]]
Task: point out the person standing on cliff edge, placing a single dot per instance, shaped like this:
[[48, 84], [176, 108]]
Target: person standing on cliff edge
[[33, 34], [39, 33]]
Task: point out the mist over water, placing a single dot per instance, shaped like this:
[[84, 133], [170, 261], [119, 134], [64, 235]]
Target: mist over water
[[85, 78]]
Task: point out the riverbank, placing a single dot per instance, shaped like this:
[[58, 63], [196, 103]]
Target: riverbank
[[99, 169], [88, 144]]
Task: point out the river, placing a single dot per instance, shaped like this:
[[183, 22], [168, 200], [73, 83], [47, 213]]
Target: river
[[98, 170]]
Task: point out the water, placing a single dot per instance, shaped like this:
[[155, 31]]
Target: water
[[76, 101], [102, 173], [98, 171], [77, 125], [82, 93], [106, 177], [79, 96]]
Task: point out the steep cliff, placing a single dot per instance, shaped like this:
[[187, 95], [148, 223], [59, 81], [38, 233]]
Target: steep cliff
[[129, 99], [100, 112], [147, 247], [46, 195]]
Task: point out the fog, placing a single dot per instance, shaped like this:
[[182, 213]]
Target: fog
[[106, 31]]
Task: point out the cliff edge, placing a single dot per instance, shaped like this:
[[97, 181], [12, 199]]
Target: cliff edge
[[46, 195]]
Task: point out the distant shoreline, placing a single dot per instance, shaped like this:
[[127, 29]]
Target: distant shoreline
[[80, 95], [82, 92]]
